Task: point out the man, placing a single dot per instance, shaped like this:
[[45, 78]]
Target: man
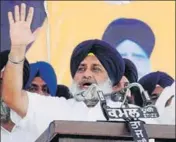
[[10, 128], [161, 89], [155, 82], [166, 105], [130, 76], [38, 111], [93, 63], [42, 79], [134, 39]]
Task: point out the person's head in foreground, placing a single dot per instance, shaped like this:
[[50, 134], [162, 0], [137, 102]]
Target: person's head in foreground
[[42, 79], [95, 62], [130, 76], [134, 39], [5, 110], [155, 82]]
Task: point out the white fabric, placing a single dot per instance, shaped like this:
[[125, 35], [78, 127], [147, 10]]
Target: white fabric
[[41, 112], [19, 132], [95, 113], [167, 114]]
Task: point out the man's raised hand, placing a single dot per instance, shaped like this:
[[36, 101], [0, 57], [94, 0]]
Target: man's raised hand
[[20, 26]]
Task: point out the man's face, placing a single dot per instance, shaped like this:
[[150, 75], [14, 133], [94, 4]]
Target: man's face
[[39, 86], [130, 50], [91, 71], [156, 93], [122, 84]]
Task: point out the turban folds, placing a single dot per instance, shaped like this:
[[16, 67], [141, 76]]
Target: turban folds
[[106, 54], [130, 71], [130, 29], [47, 73], [150, 81], [26, 68]]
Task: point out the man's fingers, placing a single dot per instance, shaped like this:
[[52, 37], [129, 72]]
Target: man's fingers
[[23, 12], [10, 17], [17, 13], [30, 15]]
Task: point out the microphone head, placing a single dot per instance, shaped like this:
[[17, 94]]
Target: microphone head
[[63, 91]]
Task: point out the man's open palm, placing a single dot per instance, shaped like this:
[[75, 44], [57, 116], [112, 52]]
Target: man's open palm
[[20, 31]]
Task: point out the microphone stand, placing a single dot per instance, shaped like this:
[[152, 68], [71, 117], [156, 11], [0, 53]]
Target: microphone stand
[[134, 125]]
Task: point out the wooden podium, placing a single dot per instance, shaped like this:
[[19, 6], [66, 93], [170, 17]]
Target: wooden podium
[[74, 131]]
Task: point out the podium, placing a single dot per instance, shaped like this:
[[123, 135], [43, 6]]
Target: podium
[[75, 131]]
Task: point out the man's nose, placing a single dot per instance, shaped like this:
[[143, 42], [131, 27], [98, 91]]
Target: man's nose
[[39, 91], [88, 74]]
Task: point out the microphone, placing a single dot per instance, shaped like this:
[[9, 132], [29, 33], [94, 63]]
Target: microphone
[[103, 104], [144, 94], [89, 96], [120, 96], [63, 91]]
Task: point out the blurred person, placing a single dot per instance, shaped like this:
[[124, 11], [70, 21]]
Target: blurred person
[[155, 82], [42, 79], [161, 89], [130, 76], [11, 128], [134, 40], [166, 105]]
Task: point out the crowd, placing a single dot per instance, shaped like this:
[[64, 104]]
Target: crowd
[[31, 98]]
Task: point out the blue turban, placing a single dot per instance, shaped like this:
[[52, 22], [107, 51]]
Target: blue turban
[[130, 29], [47, 73], [150, 81], [130, 71], [26, 67], [106, 54]]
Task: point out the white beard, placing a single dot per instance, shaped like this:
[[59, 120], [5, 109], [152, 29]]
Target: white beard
[[89, 96], [105, 87]]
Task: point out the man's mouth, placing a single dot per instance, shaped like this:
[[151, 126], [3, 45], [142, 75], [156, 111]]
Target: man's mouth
[[85, 85]]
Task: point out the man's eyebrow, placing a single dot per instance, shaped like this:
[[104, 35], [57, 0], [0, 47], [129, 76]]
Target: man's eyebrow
[[138, 55], [82, 64], [98, 65], [34, 85]]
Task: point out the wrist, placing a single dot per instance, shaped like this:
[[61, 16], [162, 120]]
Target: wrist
[[17, 53]]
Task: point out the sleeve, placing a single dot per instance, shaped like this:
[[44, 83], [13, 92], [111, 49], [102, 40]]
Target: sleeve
[[42, 111], [165, 95]]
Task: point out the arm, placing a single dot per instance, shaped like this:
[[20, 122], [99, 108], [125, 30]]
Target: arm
[[21, 36]]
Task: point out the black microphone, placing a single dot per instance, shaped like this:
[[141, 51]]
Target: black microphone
[[63, 91], [103, 104]]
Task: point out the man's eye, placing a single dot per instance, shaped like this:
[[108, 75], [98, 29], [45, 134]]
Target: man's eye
[[96, 69], [80, 69], [32, 89], [45, 89]]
